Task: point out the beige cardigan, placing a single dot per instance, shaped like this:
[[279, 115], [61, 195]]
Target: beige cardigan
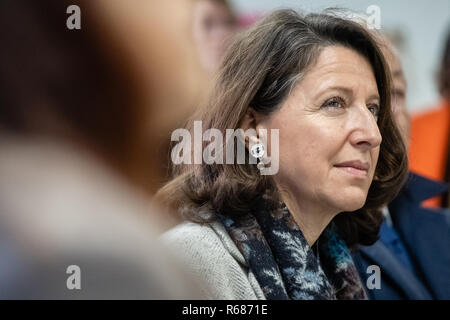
[[210, 255]]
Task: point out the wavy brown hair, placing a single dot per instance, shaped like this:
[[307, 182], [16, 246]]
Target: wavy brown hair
[[259, 70]]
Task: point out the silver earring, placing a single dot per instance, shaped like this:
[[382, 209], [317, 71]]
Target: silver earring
[[258, 151]]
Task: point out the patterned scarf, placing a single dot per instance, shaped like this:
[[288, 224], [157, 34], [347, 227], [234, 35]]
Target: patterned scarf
[[286, 266]]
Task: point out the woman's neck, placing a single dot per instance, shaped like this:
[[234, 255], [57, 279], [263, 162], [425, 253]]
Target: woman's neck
[[310, 218]]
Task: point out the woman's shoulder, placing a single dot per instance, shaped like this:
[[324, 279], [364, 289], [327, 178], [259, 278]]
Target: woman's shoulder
[[202, 239], [187, 233], [209, 253]]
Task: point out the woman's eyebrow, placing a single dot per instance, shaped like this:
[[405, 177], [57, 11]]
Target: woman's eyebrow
[[345, 90], [374, 97]]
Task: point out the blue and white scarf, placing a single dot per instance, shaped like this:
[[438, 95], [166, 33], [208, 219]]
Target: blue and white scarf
[[286, 266]]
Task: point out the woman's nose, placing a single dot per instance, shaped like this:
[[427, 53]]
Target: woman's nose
[[364, 129]]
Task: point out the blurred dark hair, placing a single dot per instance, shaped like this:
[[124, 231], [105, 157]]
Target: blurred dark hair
[[260, 68], [444, 70], [63, 83]]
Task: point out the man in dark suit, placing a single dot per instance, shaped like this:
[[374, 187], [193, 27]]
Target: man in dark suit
[[413, 251]]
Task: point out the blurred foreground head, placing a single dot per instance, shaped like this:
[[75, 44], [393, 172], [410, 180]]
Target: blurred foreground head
[[117, 86], [83, 114]]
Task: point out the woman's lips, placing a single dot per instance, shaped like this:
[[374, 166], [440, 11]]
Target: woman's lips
[[355, 168]]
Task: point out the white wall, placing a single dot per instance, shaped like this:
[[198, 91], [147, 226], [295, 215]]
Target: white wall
[[424, 23]]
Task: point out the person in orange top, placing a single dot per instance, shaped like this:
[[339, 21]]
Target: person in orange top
[[430, 131]]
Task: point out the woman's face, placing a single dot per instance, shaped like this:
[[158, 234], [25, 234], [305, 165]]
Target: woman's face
[[329, 138]]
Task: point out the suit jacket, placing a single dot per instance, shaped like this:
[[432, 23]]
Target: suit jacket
[[426, 235]]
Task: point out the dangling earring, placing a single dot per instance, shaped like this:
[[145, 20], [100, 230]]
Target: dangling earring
[[258, 151]]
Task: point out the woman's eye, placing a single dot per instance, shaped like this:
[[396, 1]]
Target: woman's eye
[[335, 102], [374, 109]]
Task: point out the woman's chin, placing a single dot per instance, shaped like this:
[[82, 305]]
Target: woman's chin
[[352, 203]]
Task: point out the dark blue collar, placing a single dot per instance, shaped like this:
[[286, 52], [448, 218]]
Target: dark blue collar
[[419, 188]]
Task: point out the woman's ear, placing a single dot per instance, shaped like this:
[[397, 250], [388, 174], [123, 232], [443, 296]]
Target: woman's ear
[[249, 121]]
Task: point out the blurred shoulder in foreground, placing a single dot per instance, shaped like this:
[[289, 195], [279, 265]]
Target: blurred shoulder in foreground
[[84, 117]]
